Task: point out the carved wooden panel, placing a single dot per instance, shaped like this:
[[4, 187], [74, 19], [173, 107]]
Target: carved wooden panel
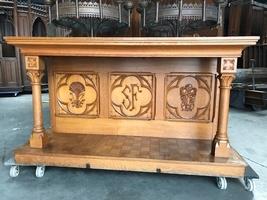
[[234, 18], [23, 23], [132, 95], [189, 97], [10, 72], [228, 65], [77, 94]]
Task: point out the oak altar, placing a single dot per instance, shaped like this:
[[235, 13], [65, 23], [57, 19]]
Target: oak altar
[[139, 104]]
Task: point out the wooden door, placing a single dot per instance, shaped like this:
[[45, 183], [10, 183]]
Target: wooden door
[[10, 79]]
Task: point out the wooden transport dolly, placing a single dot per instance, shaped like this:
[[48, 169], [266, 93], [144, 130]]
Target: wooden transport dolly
[[138, 104]]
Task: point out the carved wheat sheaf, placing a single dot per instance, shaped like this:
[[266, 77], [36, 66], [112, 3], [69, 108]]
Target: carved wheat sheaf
[[77, 94], [77, 90]]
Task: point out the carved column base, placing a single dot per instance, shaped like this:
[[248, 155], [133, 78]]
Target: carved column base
[[220, 149], [38, 140]]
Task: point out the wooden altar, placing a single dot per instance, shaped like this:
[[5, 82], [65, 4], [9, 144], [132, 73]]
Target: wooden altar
[[140, 104]]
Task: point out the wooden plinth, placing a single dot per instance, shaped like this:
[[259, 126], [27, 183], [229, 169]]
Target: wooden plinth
[[146, 154]]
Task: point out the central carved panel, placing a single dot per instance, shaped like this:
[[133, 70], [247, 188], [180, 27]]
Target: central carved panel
[[189, 97], [77, 94], [132, 95]]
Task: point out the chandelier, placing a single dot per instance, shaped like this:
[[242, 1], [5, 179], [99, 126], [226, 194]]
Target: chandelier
[[94, 17]]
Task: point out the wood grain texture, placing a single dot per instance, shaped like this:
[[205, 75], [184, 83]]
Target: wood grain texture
[[188, 74], [133, 47], [147, 154], [154, 123]]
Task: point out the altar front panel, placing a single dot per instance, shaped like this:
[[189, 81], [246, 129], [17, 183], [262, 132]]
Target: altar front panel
[[157, 97]]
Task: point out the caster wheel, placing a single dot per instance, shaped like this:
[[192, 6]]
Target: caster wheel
[[256, 108], [40, 171], [221, 183], [250, 185], [14, 171]]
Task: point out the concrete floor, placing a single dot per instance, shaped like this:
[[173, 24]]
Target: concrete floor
[[247, 131]]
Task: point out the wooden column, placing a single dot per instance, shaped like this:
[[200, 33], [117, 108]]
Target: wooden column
[[35, 66], [226, 70]]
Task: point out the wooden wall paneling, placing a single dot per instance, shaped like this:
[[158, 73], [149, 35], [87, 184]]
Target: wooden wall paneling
[[30, 18], [24, 30], [1, 72], [257, 26], [135, 29], [265, 28], [234, 18], [23, 23], [9, 76], [246, 19], [11, 72], [1, 51]]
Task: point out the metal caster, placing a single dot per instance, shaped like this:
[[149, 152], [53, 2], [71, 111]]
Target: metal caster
[[40, 171], [14, 171], [256, 108], [221, 183], [249, 184]]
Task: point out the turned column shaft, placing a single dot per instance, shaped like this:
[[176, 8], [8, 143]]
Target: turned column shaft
[[37, 106], [226, 70], [225, 89], [35, 67]]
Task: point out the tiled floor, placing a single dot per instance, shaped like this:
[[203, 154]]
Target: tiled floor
[[247, 130]]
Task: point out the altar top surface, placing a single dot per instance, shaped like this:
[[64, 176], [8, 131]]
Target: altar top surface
[[133, 46]]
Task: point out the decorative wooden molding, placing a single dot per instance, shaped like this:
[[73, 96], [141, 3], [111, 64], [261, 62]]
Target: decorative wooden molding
[[228, 65], [133, 46], [34, 63], [35, 75]]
